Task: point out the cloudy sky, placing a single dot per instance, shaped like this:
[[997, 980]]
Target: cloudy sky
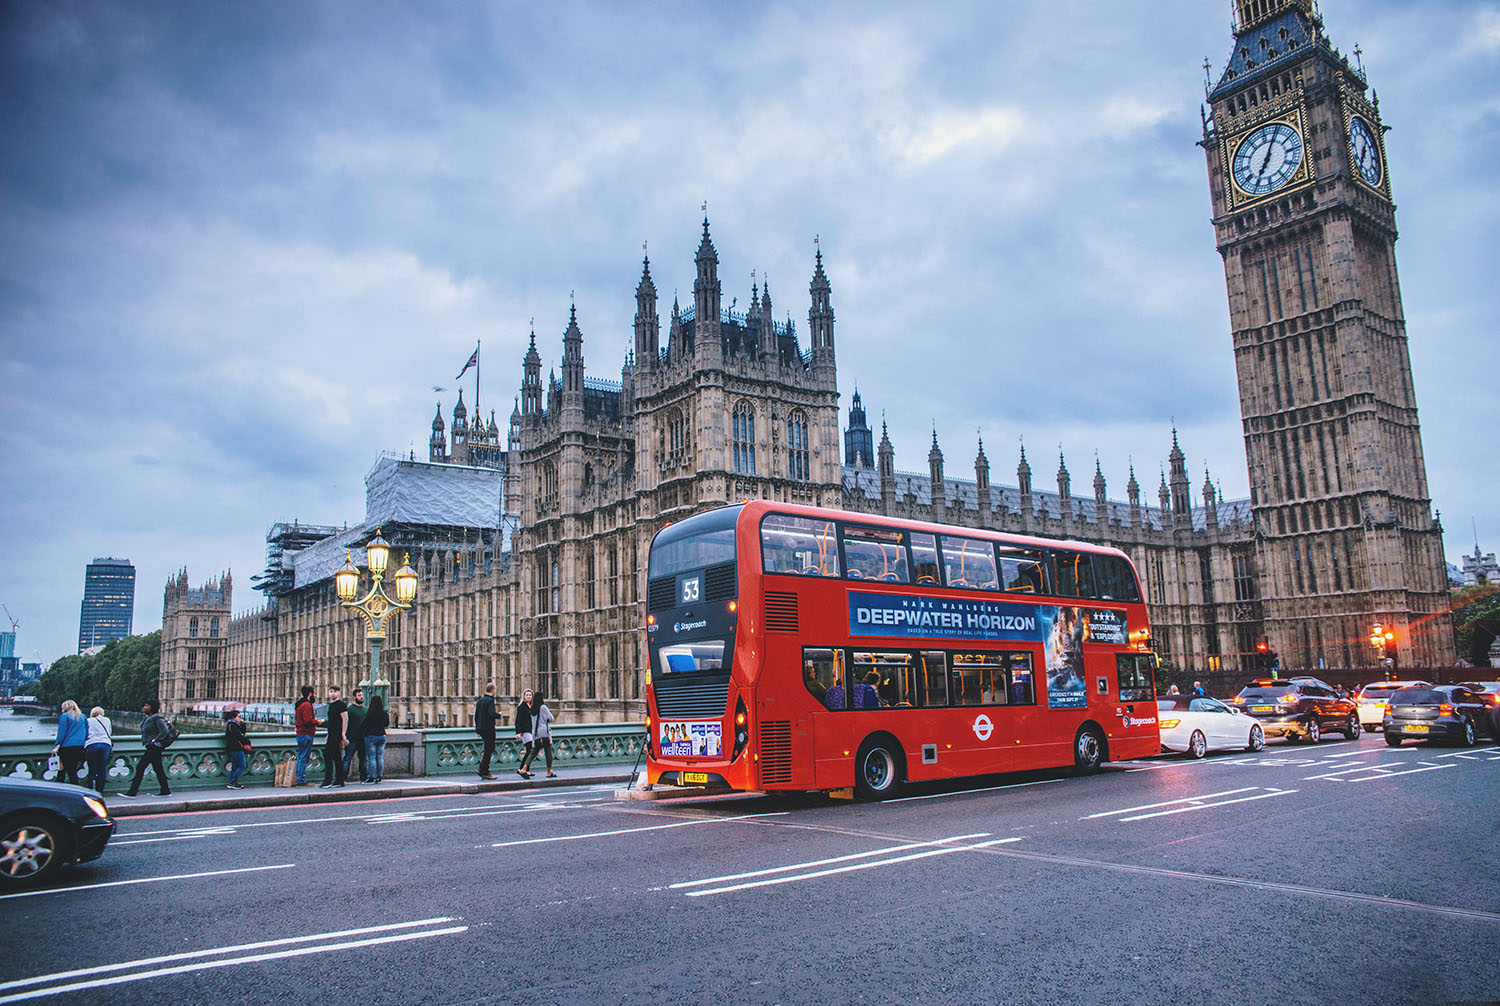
[[243, 242]]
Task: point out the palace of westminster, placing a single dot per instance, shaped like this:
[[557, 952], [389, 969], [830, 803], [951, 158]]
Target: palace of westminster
[[530, 540]]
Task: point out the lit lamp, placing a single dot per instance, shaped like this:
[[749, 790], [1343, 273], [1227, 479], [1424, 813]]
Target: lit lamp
[[376, 606]]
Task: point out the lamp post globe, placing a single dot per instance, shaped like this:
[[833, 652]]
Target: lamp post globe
[[406, 582], [378, 554], [346, 580]]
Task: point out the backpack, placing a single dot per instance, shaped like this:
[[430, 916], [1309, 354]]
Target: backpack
[[168, 733]]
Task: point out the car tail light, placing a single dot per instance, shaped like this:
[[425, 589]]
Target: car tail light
[[1289, 700], [1445, 710], [1169, 724]]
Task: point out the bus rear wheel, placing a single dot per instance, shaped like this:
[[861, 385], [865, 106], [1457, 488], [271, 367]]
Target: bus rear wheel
[[1088, 750], [877, 769]]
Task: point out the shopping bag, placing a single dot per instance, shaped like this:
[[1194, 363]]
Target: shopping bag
[[54, 765], [285, 774]]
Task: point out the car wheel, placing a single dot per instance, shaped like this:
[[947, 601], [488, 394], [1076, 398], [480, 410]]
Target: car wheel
[[1257, 738], [877, 769], [31, 851], [1197, 744], [1314, 730], [1468, 739], [1392, 740], [1352, 730], [1088, 750]]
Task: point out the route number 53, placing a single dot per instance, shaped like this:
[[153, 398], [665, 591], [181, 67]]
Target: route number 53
[[690, 589]]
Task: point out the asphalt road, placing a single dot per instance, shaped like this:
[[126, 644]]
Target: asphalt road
[[1343, 872]]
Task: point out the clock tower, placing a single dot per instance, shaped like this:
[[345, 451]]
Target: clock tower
[[1304, 220]]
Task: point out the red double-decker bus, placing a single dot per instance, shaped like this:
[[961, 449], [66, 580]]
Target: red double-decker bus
[[796, 648]]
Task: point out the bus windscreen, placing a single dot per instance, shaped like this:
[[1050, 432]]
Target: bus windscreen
[[696, 543]]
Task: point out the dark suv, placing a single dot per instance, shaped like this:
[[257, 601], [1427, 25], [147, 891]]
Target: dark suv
[[1299, 708], [1441, 712]]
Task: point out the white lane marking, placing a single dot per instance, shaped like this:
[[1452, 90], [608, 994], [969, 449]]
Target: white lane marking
[[203, 833], [1206, 806], [633, 831], [850, 869], [365, 817], [1168, 803], [407, 818], [966, 792], [144, 880], [1392, 775], [241, 948], [1351, 754], [824, 862], [209, 965], [1372, 767]]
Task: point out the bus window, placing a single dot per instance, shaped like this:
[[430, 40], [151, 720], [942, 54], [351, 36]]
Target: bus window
[[875, 554], [1116, 579], [823, 675], [932, 678], [969, 563], [882, 679], [1074, 574], [969, 673], [1136, 676], [1021, 569], [924, 558], [798, 545]]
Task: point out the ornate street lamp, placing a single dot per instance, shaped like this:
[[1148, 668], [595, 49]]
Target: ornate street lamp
[[376, 606]]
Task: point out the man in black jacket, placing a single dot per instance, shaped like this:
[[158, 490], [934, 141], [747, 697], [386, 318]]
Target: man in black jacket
[[338, 739], [485, 717], [152, 729]]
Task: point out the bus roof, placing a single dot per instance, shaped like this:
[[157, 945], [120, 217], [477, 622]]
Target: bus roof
[[756, 509]]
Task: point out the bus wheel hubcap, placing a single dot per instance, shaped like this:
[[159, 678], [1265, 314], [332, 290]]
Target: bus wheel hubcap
[[1088, 749], [877, 769]]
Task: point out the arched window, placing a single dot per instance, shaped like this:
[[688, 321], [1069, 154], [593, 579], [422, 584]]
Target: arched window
[[798, 465], [743, 438], [677, 445], [192, 628], [213, 628]]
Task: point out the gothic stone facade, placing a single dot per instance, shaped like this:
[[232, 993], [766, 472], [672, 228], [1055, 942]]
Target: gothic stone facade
[[195, 633]]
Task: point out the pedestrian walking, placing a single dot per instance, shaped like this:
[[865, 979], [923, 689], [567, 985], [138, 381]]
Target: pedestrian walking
[[376, 721], [97, 746], [523, 733], [338, 739], [154, 730], [541, 729], [356, 749], [306, 720], [1198, 690], [72, 733], [236, 746], [485, 718]]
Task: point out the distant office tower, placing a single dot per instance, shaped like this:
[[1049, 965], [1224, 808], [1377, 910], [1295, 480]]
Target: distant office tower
[[108, 602]]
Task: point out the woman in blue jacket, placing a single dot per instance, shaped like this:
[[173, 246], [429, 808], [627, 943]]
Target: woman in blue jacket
[[71, 734]]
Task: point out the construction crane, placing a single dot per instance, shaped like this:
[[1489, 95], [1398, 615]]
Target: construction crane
[[14, 625]]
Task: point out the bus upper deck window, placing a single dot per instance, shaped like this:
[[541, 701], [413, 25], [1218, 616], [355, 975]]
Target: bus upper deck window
[[969, 563], [924, 558], [1021, 570], [876, 554], [799, 545]]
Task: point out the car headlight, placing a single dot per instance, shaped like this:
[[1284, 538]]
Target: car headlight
[[97, 806]]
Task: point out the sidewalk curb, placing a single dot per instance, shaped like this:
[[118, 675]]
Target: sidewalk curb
[[267, 797]]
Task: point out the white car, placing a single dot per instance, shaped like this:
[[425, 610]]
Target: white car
[[1196, 724], [1374, 697]]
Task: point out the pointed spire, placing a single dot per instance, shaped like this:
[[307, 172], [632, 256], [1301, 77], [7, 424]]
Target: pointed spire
[[1133, 487], [645, 288]]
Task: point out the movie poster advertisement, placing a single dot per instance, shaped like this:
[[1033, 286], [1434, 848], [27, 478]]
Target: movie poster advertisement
[[689, 740], [1061, 629]]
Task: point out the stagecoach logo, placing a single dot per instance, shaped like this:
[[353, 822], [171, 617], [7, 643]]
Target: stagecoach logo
[[1136, 721], [685, 626], [983, 727]]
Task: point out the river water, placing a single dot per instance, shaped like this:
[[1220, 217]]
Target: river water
[[16, 726]]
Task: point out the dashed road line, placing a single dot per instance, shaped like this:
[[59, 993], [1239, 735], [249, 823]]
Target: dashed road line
[[143, 880], [1168, 803], [852, 868], [825, 862], [633, 831]]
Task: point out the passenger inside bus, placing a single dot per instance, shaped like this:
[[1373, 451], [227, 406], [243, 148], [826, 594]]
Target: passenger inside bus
[[823, 674]]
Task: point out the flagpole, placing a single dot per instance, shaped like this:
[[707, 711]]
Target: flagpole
[[476, 377]]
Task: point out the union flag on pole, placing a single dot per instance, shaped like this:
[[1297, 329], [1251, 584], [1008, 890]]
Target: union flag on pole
[[473, 362]]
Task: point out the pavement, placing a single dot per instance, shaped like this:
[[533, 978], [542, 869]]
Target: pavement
[[147, 802], [1341, 872]]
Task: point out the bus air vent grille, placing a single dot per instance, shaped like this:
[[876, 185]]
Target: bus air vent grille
[[695, 697], [719, 583], [781, 611], [660, 593], [776, 752]]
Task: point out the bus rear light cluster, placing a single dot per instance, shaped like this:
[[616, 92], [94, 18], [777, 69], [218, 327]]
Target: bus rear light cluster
[[741, 729]]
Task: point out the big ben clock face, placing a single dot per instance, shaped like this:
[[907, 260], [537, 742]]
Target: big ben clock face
[[1267, 158], [1366, 152]]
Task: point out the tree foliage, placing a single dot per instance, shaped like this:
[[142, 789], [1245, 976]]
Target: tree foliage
[[121, 676], [1476, 621]]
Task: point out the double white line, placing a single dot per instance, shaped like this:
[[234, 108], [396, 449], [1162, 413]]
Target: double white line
[[945, 849], [1191, 803], [63, 981]]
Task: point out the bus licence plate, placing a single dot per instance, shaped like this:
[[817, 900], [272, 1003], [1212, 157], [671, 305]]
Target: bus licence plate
[[1415, 728], [698, 778]]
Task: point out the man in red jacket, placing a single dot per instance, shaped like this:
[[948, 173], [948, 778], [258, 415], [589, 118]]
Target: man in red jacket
[[307, 725]]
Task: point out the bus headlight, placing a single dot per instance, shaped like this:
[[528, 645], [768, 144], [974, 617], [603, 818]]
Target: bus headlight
[[741, 729]]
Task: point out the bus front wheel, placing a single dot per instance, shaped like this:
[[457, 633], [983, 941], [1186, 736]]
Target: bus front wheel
[[1088, 750], [877, 769]]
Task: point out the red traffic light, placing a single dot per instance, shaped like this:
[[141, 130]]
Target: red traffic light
[[1262, 647]]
